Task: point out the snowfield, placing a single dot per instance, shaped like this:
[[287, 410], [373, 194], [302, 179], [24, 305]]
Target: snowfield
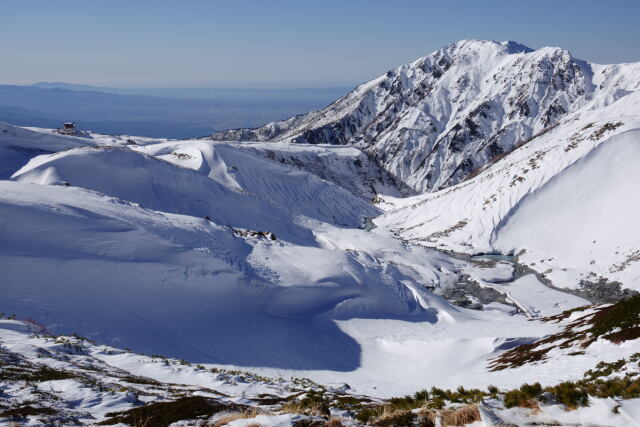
[[113, 235], [312, 250]]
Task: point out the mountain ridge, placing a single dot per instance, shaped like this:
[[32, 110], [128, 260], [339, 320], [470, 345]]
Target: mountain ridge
[[434, 121]]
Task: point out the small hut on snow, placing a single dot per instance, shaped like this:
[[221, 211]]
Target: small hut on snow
[[68, 128]]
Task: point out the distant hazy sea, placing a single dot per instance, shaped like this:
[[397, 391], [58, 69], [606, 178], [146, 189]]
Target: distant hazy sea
[[165, 112]]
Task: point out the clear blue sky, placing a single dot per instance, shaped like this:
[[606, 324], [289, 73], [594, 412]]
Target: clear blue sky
[[284, 43]]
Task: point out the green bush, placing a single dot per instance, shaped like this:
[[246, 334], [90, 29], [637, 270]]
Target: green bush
[[604, 369], [401, 418], [162, 414], [493, 390], [533, 390], [368, 413], [421, 395], [514, 398], [522, 396], [570, 394]]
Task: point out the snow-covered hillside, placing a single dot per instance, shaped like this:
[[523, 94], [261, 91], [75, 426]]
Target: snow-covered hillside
[[565, 203], [18, 145], [214, 253], [55, 380], [434, 121]]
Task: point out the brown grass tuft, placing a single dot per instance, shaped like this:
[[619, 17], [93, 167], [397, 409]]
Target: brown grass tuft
[[427, 417], [460, 416], [314, 408]]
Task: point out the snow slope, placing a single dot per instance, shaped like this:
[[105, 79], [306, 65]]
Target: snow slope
[[70, 379], [159, 185], [76, 260], [131, 176], [584, 218], [124, 256], [346, 166], [18, 145], [99, 380], [239, 168]]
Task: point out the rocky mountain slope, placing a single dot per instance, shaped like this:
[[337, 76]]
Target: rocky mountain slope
[[434, 121]]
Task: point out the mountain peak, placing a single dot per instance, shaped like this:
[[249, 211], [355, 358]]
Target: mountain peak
[[476, 44], [515, 47]]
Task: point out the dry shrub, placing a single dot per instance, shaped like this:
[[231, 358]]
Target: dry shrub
[[531, 404], [313, 408], [334, 422], [427, 417], [460, 416], [249, 413]]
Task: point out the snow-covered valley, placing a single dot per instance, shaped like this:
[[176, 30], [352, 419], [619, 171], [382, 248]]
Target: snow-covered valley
[[330, 257], [109, 235]]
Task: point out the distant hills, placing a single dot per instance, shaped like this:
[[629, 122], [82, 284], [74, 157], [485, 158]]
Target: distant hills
[[171, 112]]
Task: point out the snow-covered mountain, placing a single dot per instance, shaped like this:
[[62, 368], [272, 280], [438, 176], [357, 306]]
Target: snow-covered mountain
[[413, 234], [434, 121]]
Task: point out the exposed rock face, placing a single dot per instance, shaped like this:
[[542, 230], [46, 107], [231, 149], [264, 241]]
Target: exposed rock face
[[434, 121]]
